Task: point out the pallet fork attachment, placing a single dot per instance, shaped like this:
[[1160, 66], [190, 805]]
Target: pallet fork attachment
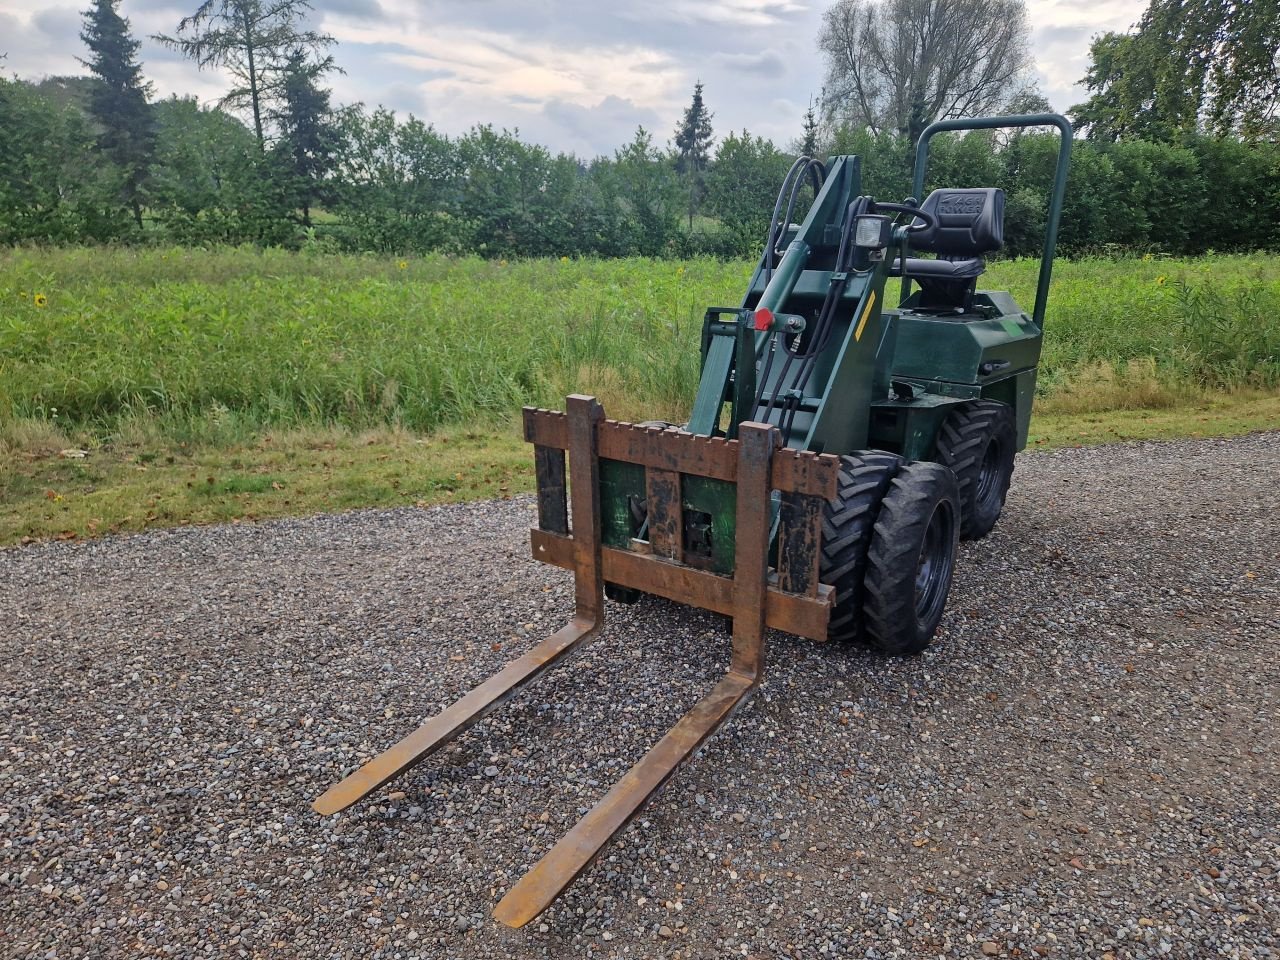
[[789, 597]]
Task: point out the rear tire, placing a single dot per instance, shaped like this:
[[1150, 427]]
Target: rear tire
[[977, 442], [911, 558], [847, 522]]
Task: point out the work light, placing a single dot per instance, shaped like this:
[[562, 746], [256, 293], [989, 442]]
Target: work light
[[871, 232]]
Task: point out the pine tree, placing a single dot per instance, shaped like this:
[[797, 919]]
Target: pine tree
[[119, 99], [809, 142], [308, 138], [693, 148], [252, 41]]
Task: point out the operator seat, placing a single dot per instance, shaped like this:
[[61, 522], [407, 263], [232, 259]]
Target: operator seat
[[970, 225]]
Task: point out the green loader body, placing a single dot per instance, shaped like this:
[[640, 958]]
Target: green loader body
[[836, 452]]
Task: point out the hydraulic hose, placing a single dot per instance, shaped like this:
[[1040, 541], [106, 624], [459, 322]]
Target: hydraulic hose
[[807, 348]]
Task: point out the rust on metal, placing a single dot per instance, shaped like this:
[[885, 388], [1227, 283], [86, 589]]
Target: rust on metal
[[546, 428], [536, 890], [454, 719], [799, 543], [757, 444], [584, 416], [567, 859], [553, 505], [798, 614], [569, 535], [800, 471], [808, 473], [668, 450], [665, 517]]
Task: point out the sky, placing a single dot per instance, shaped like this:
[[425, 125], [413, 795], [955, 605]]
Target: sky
[[576, 75]]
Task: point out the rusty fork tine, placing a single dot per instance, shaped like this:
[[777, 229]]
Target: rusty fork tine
[[584, 415], [575, 851], [456, 718]]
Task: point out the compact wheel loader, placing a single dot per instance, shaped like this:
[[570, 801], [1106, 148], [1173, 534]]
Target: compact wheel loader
[[837, 451]]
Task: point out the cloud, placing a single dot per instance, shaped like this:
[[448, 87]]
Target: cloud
[[1060, 38], [767, 64], [57, 23], [576, 75], [369, 10], [600, 129]]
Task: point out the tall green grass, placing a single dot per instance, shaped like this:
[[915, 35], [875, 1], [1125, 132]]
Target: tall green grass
[[1211, 323], [199, 338]]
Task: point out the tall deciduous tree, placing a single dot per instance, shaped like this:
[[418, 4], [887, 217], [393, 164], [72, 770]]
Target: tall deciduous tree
[[693, 148], [1191, 65], [898, 65], [742, 185], [648, 192], [252, 40], [118, 100]]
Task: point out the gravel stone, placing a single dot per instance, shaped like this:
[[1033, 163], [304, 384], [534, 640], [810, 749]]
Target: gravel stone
[[1084, 764]]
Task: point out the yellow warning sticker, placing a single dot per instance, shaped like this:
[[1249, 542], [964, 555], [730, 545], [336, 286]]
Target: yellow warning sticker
[[866, 312]]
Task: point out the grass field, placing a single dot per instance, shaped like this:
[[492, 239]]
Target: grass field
[[160, 387]]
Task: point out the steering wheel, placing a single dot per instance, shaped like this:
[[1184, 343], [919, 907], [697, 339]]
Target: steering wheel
[[930, 221]]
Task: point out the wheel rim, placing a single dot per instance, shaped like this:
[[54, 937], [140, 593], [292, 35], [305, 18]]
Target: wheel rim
[[933, 574], [989, 472]]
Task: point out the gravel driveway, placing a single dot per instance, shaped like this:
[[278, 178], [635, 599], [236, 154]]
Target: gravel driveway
[[1084, 764]]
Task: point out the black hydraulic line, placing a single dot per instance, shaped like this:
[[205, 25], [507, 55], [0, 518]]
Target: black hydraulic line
[[820, 336], [790, 189], [771, 239], [799, 169], [817, 340]]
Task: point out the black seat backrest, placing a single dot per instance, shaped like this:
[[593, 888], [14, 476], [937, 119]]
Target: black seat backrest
[[970, 223]]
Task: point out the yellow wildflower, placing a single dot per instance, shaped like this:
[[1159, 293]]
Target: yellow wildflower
[[402, 264], [1160, 281], [1147, 258], [40, 300], [564, 259]]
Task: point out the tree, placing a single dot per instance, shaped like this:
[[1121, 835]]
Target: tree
[[253, 41], [118, 101], [1191, 66], [206, 183], [516, 195], [898, 65], [645, 188], [52, 186], [693, 148], [809, 142], [308, 138], [742, 185]]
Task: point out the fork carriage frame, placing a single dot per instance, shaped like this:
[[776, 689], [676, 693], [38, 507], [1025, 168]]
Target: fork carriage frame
[[785, 594]]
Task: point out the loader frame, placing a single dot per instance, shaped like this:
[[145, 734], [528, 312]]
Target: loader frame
[[727, 513]]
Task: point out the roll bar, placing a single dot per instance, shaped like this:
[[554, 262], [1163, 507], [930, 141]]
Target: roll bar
[[1056, 198]]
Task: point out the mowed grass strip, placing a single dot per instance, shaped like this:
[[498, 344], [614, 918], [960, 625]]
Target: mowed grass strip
[[51, 491], [151, 387]]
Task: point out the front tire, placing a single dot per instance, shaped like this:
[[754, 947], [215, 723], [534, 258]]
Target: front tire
[[977, 441], [846, 533], [911, 559]]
